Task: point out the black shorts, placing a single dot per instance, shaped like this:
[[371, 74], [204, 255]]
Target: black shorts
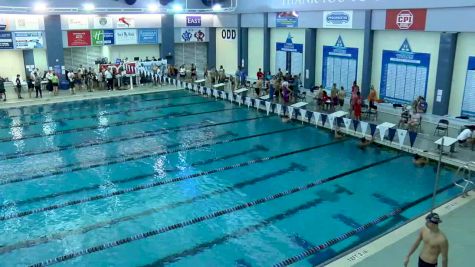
[[341, 102], [422, 263]]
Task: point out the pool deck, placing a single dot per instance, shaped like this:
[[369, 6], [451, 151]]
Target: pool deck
[[458, 224], [389, 250]]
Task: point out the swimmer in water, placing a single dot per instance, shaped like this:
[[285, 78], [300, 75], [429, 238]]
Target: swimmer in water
[[420, 161], [364, 143], [338, 134]]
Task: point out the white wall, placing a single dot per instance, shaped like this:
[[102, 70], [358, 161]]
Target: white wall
[[226, 52], [131, 51], [41, 61], [465, 48], [11, 64], [328, 37], [421, 42], [255, 58], [279, 35]]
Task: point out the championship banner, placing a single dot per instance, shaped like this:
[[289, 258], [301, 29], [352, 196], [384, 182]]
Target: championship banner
[[193, 35], [79, 38]]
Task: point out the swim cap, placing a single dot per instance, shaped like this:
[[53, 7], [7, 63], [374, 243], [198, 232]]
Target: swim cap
[[433, 218]]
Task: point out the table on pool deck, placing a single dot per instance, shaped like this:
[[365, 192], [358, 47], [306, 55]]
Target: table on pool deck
[[241, 91], [339, 114], [219, 85], [386, 125], [299, 105], [448, 142], [199, 82], [265, 97]]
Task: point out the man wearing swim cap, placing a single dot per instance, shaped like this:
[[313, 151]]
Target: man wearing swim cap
[[435, 243]]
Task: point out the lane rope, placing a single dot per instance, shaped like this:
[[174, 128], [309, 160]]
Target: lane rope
[[128, 179], [355, 231], [160, 183], [72, 167], [60, 120], [201, 218], [94, 127], [148, 133]]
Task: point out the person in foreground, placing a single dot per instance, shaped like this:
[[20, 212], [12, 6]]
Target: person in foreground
[[435, 243], [364, 143]]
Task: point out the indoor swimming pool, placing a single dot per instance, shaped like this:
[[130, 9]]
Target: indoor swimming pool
[[177, 179]]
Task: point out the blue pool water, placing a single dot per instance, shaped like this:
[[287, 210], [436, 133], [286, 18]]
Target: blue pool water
[[79, 175]]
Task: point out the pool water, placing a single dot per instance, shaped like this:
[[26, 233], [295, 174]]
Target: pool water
[[77, 177]]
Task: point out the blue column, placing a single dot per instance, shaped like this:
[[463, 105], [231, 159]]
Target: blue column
[[54, 43], [367, 55], [212, 48], [445, 66], [28, 59], [244, 48], [266, 62], [310, 55], [167, 49]]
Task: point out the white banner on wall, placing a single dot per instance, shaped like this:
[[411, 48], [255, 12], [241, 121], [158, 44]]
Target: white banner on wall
[[228, 34], [125, 36], [78, 22], [103, 23], [27, 23], [125, 22], [29, 40], [193, 35], [338, 19]]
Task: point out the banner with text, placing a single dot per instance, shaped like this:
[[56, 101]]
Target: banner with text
[[79, 38], [287, 20], [126, 37], [29, 40], [125, 22], [78, 22], [27, 23], [148, 36], [102, 37], [6, 40], [103, 23], [406, 19], [338, 19]]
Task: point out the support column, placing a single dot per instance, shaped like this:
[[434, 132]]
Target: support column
[[167, 49], [445, 66], [367, 55], [28, 60], [54, 44], [212, 48], [310, 55], [266, 63], [244, 48]]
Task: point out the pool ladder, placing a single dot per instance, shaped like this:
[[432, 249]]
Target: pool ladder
[[463, 178]]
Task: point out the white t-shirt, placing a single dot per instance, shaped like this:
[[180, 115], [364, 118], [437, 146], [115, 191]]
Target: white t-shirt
[[108, 74], [464, 135]]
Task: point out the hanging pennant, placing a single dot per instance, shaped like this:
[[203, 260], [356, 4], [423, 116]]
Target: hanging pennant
[[216, 94], [324, 119], [224, 95], [248, 101], [208, 91], [278, 109], [372, 128], [316, 117], [347, 123], [291, 111], [364, 127], [231, 97], [257, 102], [355, 124], [268, 104], [331, 120], [201, 91], [412, 137], [303, 114], [401, 136], [382, 132], [391, 134], [239, 99]]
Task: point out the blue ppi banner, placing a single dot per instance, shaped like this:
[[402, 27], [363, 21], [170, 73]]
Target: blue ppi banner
[[340, 65], [148, 36], [108, 37], [404, 74], [287, 20], [468, 104], [6, 40]]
